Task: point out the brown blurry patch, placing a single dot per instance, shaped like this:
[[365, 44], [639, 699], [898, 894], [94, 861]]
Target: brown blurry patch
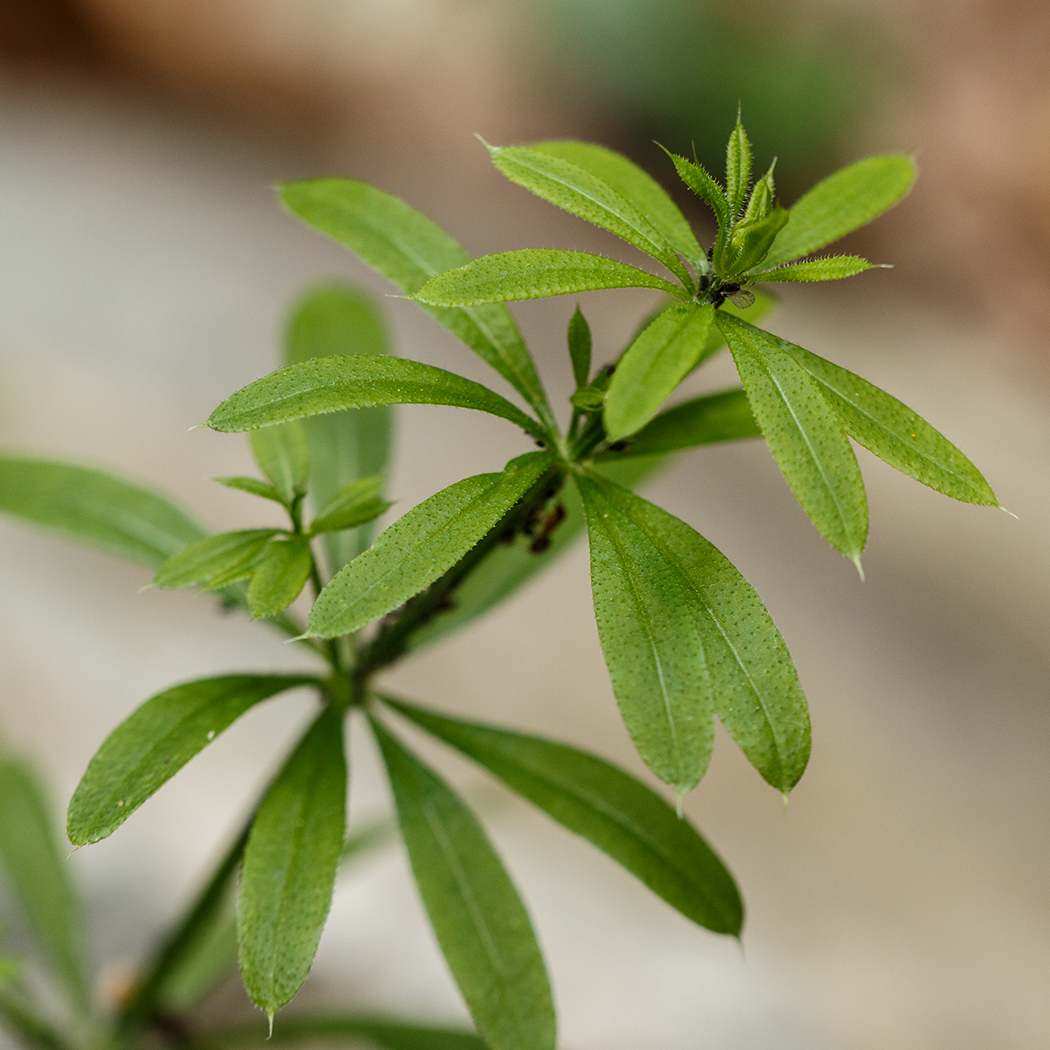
[[37, 32]]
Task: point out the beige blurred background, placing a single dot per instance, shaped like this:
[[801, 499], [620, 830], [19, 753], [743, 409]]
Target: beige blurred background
[[902, 901]]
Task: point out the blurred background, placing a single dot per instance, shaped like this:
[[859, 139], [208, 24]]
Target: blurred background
[[145, 271]]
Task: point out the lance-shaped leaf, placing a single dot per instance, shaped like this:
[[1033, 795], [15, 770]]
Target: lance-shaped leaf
[[95, 508], [834, 268], [335, 320], [650, 639], [586, 194], [725, 416], [279, 576], [580, 348], [477, 915], [609, 808], [653, 366], [633, 183], [535, 273], [330, 384], [38, 874], [216, 561], [895, 433], [409, 249], [353, 505], [804, 434], [289, 866], [283, 456], [262, 489], [421, 545], [756, 690], [704, 186], [841, 203], [156, 741], [738, 168]]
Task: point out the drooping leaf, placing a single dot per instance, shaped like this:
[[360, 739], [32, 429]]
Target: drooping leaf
[[263, 489], [653, 366], [895, 433], [352, 505], [216, 561], [156, 741], [834, 268], [582, 192], [756, 692], [535, 273], [421, 545], [650, 639], [635, 184], [283, 456], [804, 434], [279, 576], [289, 866], [409, 249], [841, 203], [609, 808], [37, 872], [725, 416], [330, 384], [95, 508], [580, 348], [477, 915], [333, 320], [738, 168]]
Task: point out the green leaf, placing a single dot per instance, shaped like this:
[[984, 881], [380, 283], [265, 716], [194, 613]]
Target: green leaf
[[584, 193], [633, 183], [330, 384], [283, 457], [156, 741], [804, 435], [409, 249], [580, 348], [535, 273], [895, 433], [333, 320], [834, 268], [653, 366], [762, 198], [751, 240], [717, 622], [704, 186], [421, 545], [216, 561], [841, 203], [254, 486], [38, 874], [650, 638], [95, 508], [610, 809], [477, 915], [738, 168], [354, 504], [289, 866], [725, 416], [279, 576]]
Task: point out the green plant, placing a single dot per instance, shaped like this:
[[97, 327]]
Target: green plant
[[684, 635]]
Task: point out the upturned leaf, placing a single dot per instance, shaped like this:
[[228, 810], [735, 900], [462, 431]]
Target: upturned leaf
[[216, 561], [409, 249], [704, 186], [761, 199], [725, 416], [279, 576], [738, 168], [477, 914], [834, 268], [263, 489], [330, 384], [283, 456], [609, 808], [95, 508], [841, 203], [580, 348], [354, 504], [731, 637], [333, 320], [653, 366], [39, 876], [289, 867], [535, 273], [893, 432], [650, 638], [421, 545], [804, 434], [156, 741], [582, 192], [751, 239]]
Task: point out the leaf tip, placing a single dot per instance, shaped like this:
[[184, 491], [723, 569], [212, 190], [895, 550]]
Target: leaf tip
[[1010, 512], [855, 558]]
